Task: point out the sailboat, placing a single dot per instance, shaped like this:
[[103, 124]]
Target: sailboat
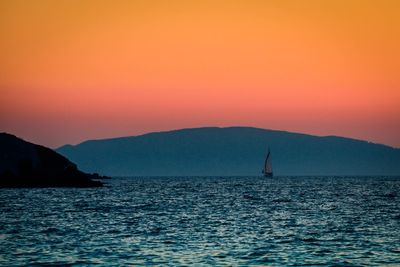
[[267, 170]]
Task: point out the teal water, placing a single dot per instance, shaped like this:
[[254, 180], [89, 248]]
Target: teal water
[[232, 221]]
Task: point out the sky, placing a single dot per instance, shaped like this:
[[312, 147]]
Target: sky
[[75, 70]]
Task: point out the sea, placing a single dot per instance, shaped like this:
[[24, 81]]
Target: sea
[[205, 221]]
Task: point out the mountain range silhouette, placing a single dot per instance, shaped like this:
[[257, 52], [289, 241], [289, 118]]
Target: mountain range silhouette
[[232, 151]]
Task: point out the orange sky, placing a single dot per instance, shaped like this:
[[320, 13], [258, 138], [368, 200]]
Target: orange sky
[[74, 70]]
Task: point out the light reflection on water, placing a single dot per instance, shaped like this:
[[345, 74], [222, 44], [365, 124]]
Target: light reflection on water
[[205, 220]]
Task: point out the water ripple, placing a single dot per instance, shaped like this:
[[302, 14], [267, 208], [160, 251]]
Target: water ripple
[[225, 221]]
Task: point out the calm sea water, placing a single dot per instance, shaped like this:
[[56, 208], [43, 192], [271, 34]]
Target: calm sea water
[[205, 221]]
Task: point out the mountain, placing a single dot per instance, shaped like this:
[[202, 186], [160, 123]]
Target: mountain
[[23, 164], [232, 151]]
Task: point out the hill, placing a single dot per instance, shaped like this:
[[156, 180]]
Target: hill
[[232, 151], [23, 164]]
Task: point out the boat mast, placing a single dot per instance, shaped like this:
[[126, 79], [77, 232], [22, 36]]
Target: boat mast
[[267, 165]]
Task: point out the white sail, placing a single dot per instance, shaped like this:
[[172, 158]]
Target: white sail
[[268, 165]]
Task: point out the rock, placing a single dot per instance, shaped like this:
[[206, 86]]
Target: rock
[[23, 164]]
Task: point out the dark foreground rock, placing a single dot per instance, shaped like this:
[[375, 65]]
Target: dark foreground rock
[[23, 164]]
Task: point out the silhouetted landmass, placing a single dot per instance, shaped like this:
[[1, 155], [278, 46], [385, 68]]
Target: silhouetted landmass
[[232, 151], [23, 164]]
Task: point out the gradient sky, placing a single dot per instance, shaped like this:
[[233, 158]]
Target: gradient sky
[[75, 70]]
